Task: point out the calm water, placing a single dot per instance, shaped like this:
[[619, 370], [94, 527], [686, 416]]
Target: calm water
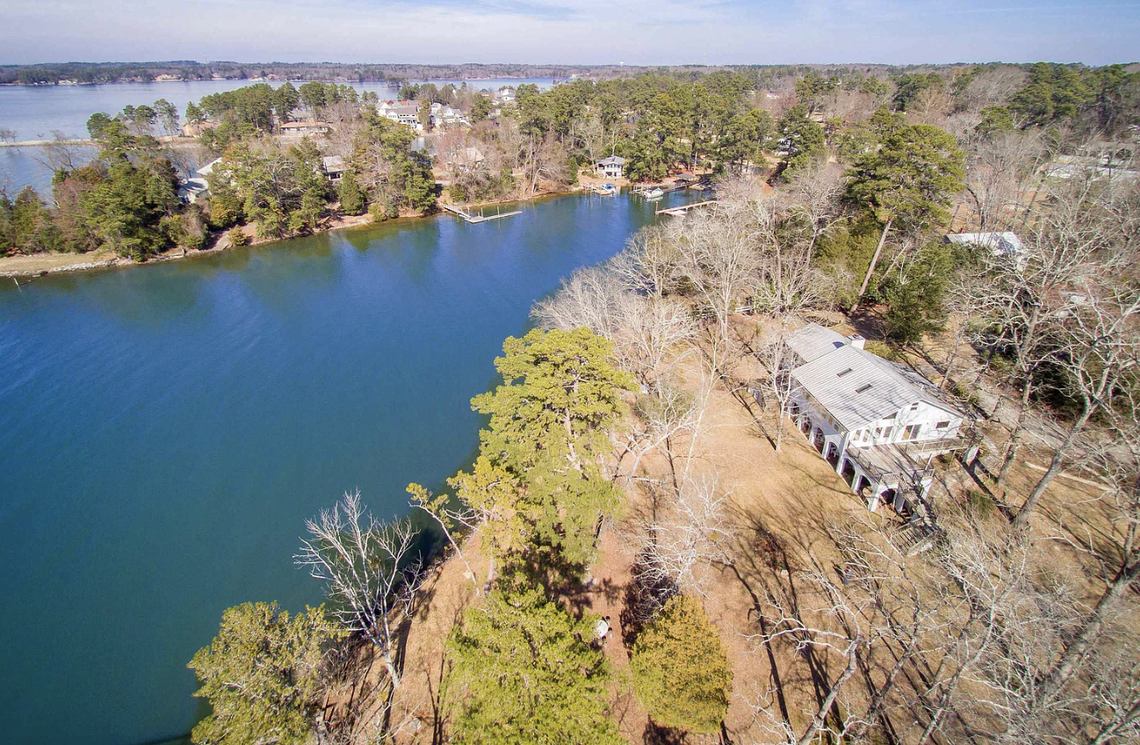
[[165, 431], [37, 112]]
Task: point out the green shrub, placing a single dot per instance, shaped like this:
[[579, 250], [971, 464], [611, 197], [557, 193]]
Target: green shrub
[[680, 669], [237, 237]]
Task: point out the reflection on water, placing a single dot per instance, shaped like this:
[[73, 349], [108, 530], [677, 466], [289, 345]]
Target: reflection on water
[[166, 429]]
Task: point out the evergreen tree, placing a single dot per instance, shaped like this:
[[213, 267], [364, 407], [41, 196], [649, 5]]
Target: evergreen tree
[[527, 676], [908, 182], [549, 430], [802, 140], [352, 200], [261, 675], [681, 672]]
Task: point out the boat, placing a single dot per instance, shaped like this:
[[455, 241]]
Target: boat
[[654, 194], [607, 190]]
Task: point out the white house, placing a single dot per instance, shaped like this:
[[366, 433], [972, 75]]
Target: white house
[[611, 167], [403, 112], [1004, 245], [868, 417]]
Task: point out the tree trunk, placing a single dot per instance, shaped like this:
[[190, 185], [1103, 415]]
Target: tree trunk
[[1022, 518], [825, 708], [1075, 652], [1016, 435], [871, 268]]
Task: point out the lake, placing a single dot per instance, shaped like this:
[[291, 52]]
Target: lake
[[36, 112], [165, 430]]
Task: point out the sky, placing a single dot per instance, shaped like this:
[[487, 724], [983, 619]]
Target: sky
[[633, 32]]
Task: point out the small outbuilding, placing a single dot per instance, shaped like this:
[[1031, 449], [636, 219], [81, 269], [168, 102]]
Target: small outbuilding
[[334, 167]]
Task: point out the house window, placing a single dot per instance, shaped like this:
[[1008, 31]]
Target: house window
[[863, 388], [914, 407], [878, 432], [887, 432], [911, 431], [942, 425], [848, 370]]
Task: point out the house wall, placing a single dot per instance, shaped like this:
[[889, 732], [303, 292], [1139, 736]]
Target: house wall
[[894, 430]]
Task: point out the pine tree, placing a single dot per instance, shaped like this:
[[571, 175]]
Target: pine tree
[[261, 675], [680, 669], [526, 676], [550, 431], [351, 197]]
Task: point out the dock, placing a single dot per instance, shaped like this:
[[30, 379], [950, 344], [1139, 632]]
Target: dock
[[677, 211], [473, 219]]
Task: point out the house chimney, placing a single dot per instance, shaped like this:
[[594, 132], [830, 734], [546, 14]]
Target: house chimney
[[857, 341]]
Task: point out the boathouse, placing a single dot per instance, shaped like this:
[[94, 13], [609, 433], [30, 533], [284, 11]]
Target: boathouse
[[611, 167]]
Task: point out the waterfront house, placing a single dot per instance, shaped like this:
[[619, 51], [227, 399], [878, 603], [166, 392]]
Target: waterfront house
[[876, 422], [305, 128], [611, 167], [333, 167]]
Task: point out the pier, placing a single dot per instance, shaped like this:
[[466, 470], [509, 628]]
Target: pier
[[480, 217], [677, 211]]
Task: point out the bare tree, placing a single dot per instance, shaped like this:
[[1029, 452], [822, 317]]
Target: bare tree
[[777, 356], [368, 571], [1031, 292], [999, 169], [719, 260], [688, 537], [1098, 350]]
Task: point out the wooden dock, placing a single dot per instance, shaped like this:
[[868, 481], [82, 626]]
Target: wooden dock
[[480, 217], [677, 211]]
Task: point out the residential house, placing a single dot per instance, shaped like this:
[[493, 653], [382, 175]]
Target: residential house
[[402, 112], [611, 167], [333, 167], [873, 420], [207, 169], [195, 129], [1003, 245], [443, 116], [189, 189], [305, 128]]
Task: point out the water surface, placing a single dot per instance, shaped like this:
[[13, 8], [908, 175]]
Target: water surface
[[165, 430]]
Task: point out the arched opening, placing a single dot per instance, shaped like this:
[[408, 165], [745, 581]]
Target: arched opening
[[887, 496], [832, 455], [859, 485], [849, 474], [805, 426], [817, 440]]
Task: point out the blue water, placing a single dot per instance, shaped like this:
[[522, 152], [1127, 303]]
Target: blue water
[[165, 430]]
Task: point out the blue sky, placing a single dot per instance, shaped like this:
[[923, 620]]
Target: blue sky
[[571, 31]]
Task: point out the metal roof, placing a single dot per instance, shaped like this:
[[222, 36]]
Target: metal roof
[[813, 341], [615, 160], [858, 387], [1002, 244]]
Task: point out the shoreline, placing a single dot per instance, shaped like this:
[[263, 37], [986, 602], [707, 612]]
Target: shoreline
[[33, 266]]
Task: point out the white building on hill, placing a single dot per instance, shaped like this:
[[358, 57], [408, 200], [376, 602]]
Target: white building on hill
[[873, 420]]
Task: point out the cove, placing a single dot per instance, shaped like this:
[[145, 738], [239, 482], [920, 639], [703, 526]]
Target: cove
[[165, 430]]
